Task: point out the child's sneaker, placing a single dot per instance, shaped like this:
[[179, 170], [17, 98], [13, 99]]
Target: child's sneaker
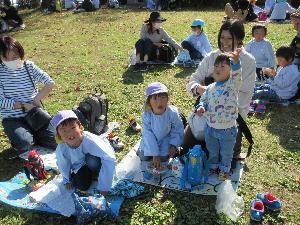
[[270, 201], [134, 125], [257, 210], [223, 176], [252, 107], [115, 141], [261, 107]]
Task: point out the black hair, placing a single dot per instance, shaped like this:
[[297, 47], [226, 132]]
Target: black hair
[[222, 58], [285, 51], [8, 44], [243, 4], [236, 29], [259, 26]]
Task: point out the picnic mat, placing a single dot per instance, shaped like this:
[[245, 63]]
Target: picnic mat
[[19, 192], [132, 168], [46, 195]]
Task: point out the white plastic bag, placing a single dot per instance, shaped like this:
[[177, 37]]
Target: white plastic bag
[[197, 125], [128, 167], [228, 202], [132, 58]]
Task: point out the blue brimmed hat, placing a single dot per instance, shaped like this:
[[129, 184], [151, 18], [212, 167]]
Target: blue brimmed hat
[[198, 23]]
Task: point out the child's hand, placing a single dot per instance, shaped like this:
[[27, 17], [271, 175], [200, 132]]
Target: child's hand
[[172, 151], [156, 162], [235, 55], [200, 111], [269, 71], [200, 89], [69, 186]]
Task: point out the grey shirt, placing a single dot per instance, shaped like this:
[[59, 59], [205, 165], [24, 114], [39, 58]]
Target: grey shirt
[[157, 37]]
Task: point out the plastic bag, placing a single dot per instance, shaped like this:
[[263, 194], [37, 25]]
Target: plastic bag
[[128, 167], [132, 58], [197, 125], [228, 202]]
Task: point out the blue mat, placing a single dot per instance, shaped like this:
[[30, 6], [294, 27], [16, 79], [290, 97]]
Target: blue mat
[[15, 193]]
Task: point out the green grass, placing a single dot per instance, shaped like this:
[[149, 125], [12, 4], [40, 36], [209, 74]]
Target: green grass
[[85, 50]]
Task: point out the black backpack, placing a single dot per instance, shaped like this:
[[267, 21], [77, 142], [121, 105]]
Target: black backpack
[[92, 113], [167, 53]]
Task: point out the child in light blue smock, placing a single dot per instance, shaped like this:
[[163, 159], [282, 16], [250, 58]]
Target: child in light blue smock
[[281, 7], [81, 154], [197, 43], [283, 83], [162, 126], [261, 49]]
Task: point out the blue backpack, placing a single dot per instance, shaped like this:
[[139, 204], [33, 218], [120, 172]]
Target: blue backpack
[[195, 171]]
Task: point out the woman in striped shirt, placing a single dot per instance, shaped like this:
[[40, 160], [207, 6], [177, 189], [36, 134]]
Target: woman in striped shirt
[[18, 96]]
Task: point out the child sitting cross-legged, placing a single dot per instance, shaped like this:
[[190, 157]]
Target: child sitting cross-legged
[[81, 154], [219, 105], [284, 81], [162, 126]]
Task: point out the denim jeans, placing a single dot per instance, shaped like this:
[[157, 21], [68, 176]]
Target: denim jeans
[[22, 138], [220, 144]]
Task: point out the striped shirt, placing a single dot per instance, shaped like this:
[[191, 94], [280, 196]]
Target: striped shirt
[[16, 86]]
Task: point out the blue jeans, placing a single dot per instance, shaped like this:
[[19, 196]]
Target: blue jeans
[[220, 143], [22, 138]]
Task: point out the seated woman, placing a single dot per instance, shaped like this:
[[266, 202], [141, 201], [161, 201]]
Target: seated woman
[[18, 95], [150, 42], [12, 17], [197, 43]]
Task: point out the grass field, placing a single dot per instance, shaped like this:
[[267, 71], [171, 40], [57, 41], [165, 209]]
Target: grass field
[[87, 50]]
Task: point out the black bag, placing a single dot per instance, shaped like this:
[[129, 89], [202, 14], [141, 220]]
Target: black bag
[[88, 6], [92, 113], [37, 118], [167, 53]]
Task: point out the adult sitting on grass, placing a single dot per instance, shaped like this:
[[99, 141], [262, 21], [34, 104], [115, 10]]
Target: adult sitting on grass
[[18, 95], [12, 17], [230, 37], [152, 36]]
